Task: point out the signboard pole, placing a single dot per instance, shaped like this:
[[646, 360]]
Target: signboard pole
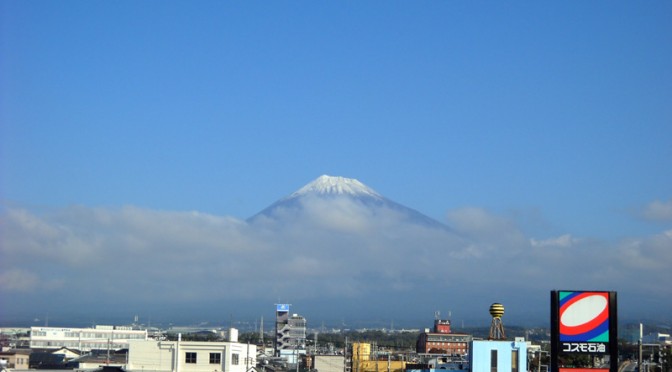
[[555, 337], [613, 332]]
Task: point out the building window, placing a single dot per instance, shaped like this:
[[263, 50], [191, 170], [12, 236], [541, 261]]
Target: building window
[[190, 358], [216, 358], [234, 359], [514, 360], [493, 360]]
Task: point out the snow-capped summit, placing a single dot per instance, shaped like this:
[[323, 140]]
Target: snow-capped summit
[[336, 185], [330, 192]]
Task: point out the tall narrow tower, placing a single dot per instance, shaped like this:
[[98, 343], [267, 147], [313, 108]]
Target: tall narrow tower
[[497, 327], [281, 327]]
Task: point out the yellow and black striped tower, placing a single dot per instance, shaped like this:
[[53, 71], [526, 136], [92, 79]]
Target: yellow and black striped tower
[[497, 327]]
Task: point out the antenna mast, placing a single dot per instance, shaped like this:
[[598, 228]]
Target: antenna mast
[[261, 332]]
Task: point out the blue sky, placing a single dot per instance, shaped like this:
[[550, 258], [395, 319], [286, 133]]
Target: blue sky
[[555, 117]]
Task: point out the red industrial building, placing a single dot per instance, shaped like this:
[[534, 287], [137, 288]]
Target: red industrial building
[[441, 340]]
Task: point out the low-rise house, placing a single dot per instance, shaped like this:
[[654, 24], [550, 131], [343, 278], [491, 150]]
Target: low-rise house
[[68, 354], [16, 358], [98, 360], [46, 360]]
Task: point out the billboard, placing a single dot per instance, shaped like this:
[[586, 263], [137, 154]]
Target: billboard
[[583, 323]]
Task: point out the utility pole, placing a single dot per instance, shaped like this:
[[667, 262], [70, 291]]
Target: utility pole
[[639, 346], [261, 332], [345, 355], [661, 357], [177, 352], [375, 354]]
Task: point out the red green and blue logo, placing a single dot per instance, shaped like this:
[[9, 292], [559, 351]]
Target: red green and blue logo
[[584, 316]]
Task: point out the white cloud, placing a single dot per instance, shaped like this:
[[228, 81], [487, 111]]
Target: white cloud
[[651, 254], [488, 232], [658, 211], [18, 280], [340, 252], [565, 240]]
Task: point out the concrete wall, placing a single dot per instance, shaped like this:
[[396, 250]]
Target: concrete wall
[[329, 363], [151, 355], [160, 356]]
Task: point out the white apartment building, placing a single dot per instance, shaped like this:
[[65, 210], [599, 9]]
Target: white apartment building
[[190, 356], [84, 339]]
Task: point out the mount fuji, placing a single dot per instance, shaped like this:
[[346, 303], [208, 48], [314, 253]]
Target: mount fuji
[[332, 192], [335, 248]]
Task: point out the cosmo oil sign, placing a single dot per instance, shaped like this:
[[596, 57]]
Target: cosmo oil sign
[[583, 323]]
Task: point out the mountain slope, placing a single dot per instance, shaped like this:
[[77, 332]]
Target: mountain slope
[[328, 189]]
